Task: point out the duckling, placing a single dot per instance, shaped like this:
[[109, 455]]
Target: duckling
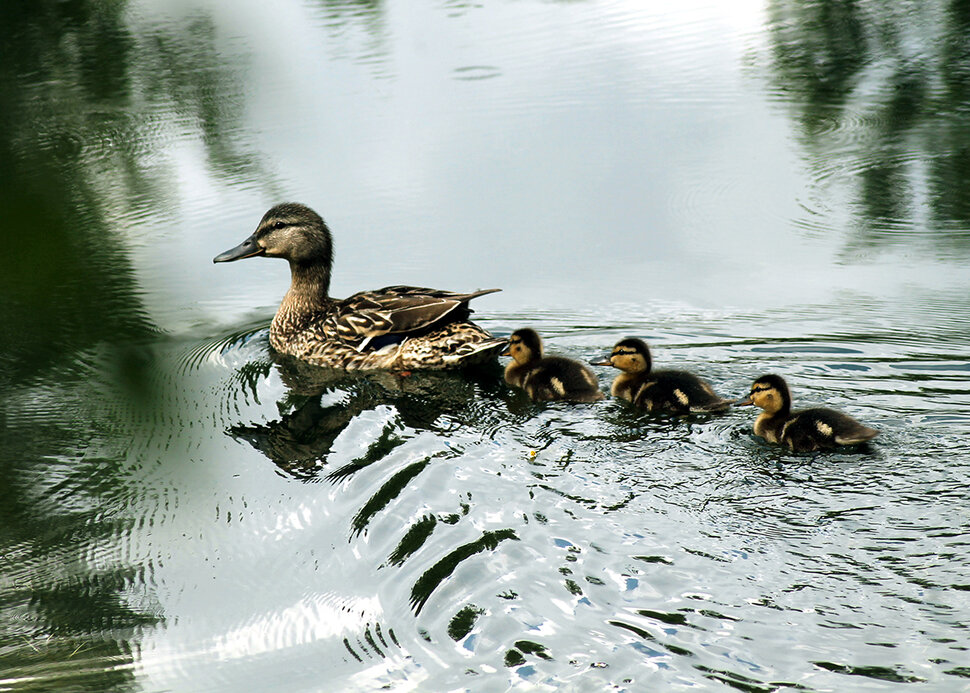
[[547, 378], [397, 327], [677, 392], [801, 431]]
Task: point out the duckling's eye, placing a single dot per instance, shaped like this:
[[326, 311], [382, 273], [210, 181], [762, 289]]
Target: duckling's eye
[[279, 224]]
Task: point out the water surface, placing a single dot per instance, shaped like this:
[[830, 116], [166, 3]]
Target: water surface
[[765, 187]]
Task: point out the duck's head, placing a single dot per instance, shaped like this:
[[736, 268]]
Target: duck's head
[[291, 231], [630, 355], [525, 345], [770, 392]]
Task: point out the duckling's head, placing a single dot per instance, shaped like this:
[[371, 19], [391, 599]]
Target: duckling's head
[[291, 231], [630, 355], [770, 392], [524, 346]]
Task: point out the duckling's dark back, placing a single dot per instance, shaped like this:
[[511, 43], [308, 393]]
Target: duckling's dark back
[[817, 429], [558, 378], [678, 392]]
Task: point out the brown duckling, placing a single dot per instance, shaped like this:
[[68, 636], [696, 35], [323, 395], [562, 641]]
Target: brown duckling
[[677, 392], [397, 327], [801, 431], [547, 378]]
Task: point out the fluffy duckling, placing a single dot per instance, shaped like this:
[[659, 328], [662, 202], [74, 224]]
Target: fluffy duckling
[[546, 378], [801, 431], [678, 392], [397, 327]]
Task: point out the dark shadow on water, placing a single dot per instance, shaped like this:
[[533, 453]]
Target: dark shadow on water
[[423, 588], [300, 441]]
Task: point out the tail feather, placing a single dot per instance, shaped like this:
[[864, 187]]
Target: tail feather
[[476, 352], [859, 435], [718, 405]]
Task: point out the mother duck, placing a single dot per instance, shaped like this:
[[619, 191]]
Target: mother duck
[[397, 327]]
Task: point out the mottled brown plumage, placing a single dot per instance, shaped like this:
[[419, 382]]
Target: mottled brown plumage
[[397, 327]]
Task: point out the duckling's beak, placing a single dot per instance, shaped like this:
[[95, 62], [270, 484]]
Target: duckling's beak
[[607, 362], [742, 402], [247, 248], [507, 352]]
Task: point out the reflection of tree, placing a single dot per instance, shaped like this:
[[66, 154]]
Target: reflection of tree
[[364, 20], [86, 108], [880, 92], [66, 288], [81, 100]]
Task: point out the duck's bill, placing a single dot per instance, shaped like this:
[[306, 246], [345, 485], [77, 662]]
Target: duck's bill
[[247, 248], [607, 362], [744, 401]]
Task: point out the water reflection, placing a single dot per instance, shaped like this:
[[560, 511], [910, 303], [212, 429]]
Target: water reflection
[[879, 94], [300, 441], [180, 509], [67, 292], [80, 155]]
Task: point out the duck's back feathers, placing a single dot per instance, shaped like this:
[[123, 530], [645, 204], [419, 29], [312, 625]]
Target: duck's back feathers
[[678, 392], [801, 431], [403, 327], [398, 310], [816, 429], [555, 378]]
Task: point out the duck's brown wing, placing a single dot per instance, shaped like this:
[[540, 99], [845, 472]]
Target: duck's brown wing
[[397, 310]]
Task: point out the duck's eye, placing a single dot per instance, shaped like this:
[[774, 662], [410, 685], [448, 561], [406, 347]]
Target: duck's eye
[[279, 224]]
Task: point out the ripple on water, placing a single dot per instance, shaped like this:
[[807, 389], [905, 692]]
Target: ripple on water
[[471, 73], [423, 527]]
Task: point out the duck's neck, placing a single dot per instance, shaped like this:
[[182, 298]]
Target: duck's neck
[[515, 371], [623, 385], [769, 425], [306, 299]]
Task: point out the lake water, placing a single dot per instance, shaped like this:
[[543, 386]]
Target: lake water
[[751, 187]]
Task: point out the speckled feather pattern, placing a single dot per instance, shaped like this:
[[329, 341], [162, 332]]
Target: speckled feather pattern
[[338, 334], [397, 327]]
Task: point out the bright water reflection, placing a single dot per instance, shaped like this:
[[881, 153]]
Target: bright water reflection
[[750, 188]]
